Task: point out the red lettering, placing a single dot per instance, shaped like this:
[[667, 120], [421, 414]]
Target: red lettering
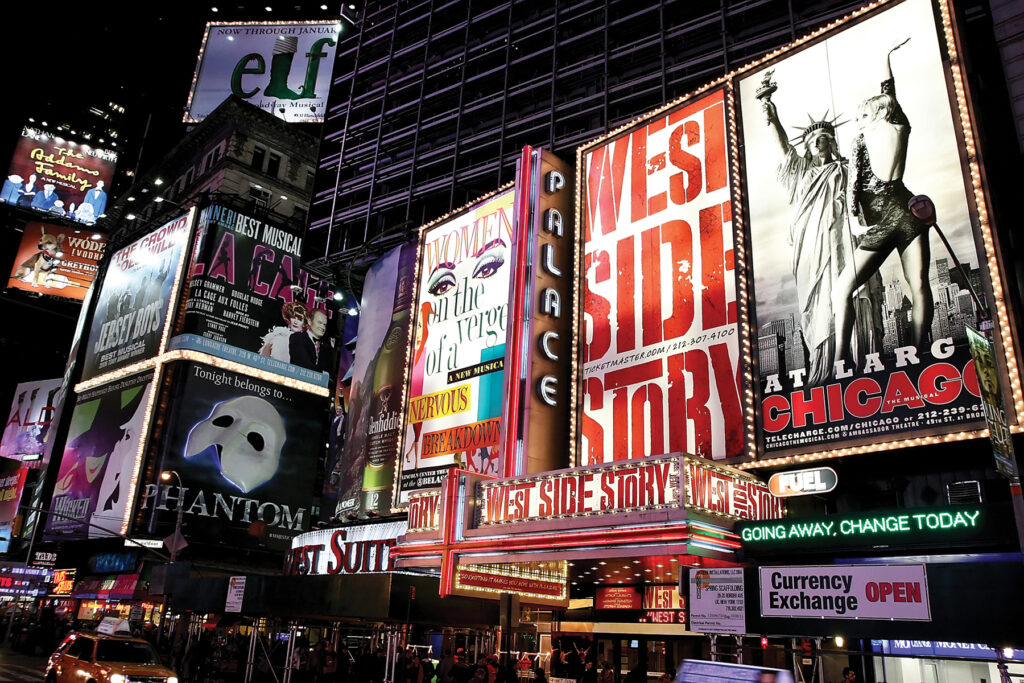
[[775, 413], [625, 296], [597, 307], [604, 182], [677, 234], [941, 383], [867, 406], [900, 391]]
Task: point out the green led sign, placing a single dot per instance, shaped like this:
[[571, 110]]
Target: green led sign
[[970, 524]]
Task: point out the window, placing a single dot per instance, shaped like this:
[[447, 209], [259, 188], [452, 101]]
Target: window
[[81, 649], [299, 213], [274, 165], [310, 176], [126, 651], [258, 155], [188, 178], [259, 197]]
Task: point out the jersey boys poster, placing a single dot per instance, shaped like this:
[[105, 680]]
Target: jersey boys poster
[[250, 302], [860, 309], [95, 475], [661, 351], [133, 301], [365, 472], [57, 261], [246, 451], [454, 405]]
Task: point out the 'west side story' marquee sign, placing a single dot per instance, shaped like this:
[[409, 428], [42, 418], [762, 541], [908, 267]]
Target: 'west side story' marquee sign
[[628, 486]]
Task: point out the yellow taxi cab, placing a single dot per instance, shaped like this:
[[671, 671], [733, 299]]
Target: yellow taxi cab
[[101, 658]]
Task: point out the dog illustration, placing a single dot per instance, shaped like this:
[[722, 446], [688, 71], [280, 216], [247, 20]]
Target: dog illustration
[[43, 264]]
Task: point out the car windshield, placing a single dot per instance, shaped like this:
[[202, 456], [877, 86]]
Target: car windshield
[[126, 651]]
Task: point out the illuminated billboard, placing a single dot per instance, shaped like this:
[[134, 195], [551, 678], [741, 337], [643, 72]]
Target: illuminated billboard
[[28, 423], [455, 402], [12, 483], [283, 67], [132, 306], [56, 261], [250, 302], [56, 176], [860, 304], [246, 452], [661, 351], [94, 480], [365, 474]]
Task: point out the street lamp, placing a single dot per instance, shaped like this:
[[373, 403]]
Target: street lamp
[[166, 476]]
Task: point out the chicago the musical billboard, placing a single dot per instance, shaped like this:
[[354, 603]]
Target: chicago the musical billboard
[[861, 306]]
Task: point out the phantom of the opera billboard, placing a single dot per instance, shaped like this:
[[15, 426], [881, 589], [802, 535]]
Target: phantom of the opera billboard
[[28, 423], [57, 261], [282, 67], [131, 311], [250, 302], [860, 304], [365, 474], [59, 177], [454, 405], [94, 479], [661, 352], [246, 451]]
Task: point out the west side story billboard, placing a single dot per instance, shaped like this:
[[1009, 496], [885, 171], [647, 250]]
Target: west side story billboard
[[860, 311], [250, 302], [661, 351], [283, 67], [131, 311], [454, 405]]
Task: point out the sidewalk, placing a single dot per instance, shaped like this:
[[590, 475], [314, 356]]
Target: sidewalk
[[19, 668]]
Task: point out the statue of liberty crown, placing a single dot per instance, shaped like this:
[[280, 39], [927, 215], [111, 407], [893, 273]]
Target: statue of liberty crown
[[823, 124]]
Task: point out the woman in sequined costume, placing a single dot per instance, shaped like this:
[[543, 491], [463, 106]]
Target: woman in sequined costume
[[878, 199]]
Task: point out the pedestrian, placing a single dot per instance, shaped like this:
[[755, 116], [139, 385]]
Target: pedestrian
[[849, 675], [606, 675], [589, 674], [444, 667]]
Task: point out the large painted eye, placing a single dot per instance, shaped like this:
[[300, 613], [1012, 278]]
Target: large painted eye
[[441, 282], [489, 264]]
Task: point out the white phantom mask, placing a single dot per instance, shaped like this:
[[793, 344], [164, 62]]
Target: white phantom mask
[[248, 434]]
